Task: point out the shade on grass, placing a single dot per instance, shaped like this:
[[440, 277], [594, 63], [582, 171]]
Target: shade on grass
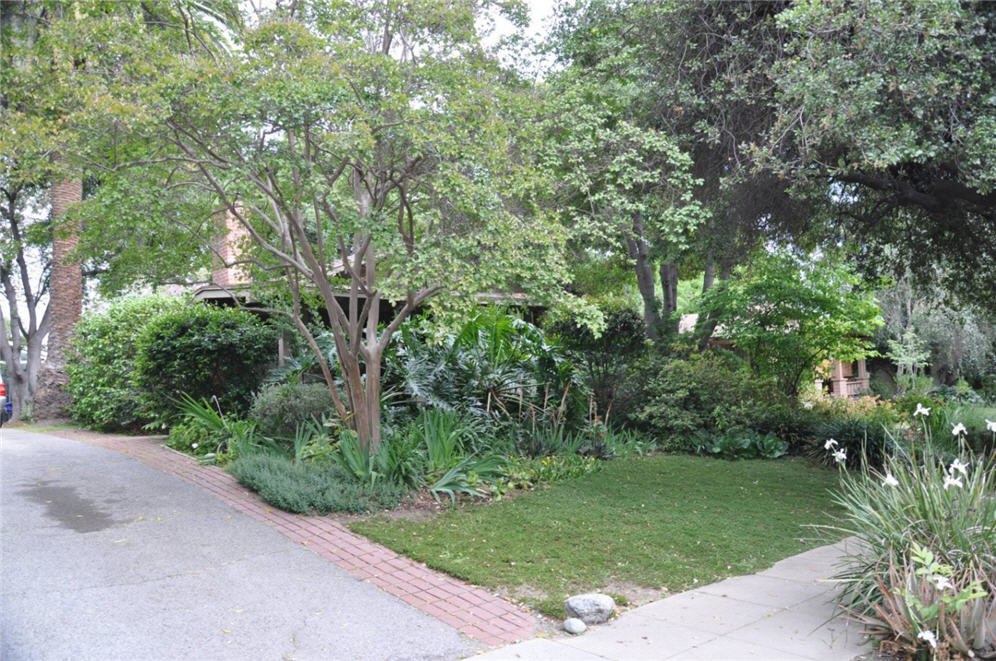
[[667, 522]]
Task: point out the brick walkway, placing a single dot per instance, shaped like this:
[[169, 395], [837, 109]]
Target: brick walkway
[[473, 611]]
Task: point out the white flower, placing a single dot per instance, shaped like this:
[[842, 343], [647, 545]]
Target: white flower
[[890, 480], [840, 456], [921, 410], [959, 429], [951, 481], [943, 583], [193, 446], [958, 466], [991, 425], [929, 637], [830, 444]]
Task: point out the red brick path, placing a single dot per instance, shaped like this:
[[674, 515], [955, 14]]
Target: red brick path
[[472, 610]]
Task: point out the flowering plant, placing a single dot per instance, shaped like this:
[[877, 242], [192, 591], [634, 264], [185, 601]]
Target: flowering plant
[[923, 577]]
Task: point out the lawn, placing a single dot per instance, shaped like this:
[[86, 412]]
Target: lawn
[[666, 523]]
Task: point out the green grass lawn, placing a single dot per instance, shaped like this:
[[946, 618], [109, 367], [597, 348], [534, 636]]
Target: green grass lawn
[[666, 522]]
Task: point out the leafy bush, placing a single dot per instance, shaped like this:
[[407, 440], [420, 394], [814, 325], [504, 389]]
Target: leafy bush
[[495, 367], [917, 521], [747, 444], [204, 352], [205, 432], [525, 472], [604, 360], [685, 397], [311, 487], [101, 366], [278, 409]]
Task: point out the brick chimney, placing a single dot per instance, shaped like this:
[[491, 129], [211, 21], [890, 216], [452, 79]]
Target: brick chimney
[[230, 241]]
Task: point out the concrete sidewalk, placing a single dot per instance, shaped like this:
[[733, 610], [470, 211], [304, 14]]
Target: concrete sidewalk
[[784, 613]]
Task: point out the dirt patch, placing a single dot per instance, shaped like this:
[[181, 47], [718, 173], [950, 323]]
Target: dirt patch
[[636, 595]]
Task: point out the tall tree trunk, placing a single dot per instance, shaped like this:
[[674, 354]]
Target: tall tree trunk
[[706, 324], [639, 252], [66, 300], [669, 286]]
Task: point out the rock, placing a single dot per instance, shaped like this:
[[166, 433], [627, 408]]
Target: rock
[[574, 625], [593, 608]]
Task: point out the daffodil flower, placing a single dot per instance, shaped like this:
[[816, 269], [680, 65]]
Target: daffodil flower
[[890, 480], [959, 466], [959, 429], [952, 481], [929, 637], [991, 425], [840, 456], [921, 410], [830, 444]]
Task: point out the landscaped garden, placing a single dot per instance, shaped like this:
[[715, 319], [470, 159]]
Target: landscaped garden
[[692, 287]]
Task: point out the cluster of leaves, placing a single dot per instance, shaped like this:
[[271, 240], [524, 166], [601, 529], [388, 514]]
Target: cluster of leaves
[[279, 409], [787, 314], [495, 366], [748, 444], [103, 380], [204, 352]]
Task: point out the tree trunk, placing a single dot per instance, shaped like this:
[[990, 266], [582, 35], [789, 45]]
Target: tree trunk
[[66, 300], [669, 286], [639, 252], [706, 324]]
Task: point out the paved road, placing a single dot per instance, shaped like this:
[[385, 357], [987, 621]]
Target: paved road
[[105, 558]]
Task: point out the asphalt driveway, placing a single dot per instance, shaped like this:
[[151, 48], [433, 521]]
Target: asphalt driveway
[[105, 558]]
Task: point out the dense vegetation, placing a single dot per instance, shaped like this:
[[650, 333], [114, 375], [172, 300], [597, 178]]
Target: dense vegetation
[[696, 211]]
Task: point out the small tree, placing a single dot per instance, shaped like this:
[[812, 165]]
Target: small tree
[[373, 152], [788, 314]]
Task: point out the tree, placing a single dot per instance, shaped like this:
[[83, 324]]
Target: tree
[[696, 72], [787, 314], [626, 189], [885, 110], [56, 63], [373, 152]]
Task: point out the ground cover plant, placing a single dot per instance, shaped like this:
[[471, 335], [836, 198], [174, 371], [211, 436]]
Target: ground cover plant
[[666, 522], [312, 487]]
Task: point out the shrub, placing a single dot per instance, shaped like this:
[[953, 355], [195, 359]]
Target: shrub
[[279, 409], [747, 444], [495, 367], [311, 487], [917, 521], [204, 352], [604, 360], [205, 432], [705, 393], [101, 366]]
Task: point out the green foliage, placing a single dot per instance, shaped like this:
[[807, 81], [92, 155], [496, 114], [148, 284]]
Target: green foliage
[[787, 315], [205, 432], [494, 366], [892, 100], [279, 409], [687, 397], [605, 359], [747, 444], [526, 473], [206, 353], [921, 518], [310, 487], [101, 368]]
